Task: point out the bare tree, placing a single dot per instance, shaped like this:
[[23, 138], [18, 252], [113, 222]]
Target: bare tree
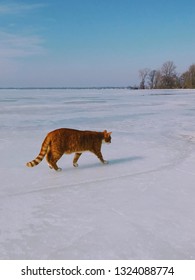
[[184, 80], [168, 68], [157, 79], [143, 74], [192, 75], [151, 79], [169, 76], [187, 79]]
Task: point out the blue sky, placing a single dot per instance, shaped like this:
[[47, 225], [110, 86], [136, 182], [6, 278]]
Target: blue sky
[[92, 42]]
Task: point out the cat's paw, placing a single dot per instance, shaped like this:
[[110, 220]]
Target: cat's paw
[[105, 162], [75, 164], [59, 169]]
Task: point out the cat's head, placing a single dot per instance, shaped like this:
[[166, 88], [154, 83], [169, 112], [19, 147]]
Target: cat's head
[[107, 137]]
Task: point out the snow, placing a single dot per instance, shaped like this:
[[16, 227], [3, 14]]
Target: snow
[[139, 206]]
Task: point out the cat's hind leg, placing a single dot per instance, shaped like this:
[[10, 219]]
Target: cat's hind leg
[[53, 164], [48, 159], [52, 159], [76, 157]]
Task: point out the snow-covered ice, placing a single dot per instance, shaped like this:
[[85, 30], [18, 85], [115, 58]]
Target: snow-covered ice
[[139, 206]]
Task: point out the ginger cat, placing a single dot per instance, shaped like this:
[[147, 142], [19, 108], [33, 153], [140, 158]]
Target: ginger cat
[[66, 141]]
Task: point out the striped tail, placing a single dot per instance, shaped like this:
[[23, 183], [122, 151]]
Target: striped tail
[[43, 151]]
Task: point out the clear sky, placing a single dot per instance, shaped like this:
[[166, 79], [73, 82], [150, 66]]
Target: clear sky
[[92, 42]]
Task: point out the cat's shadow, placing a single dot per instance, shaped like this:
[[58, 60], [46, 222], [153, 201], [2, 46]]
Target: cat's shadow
[[116, 161]]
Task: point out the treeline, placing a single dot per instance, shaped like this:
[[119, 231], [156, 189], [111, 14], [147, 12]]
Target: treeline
[[167, 77]]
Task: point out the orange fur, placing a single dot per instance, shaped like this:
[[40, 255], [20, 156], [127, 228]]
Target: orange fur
[[66, 141]]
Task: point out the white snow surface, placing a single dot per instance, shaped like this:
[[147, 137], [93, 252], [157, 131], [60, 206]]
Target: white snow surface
[[139, 206]]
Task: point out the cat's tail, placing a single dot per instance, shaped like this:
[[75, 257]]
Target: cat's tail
[[43, 151]]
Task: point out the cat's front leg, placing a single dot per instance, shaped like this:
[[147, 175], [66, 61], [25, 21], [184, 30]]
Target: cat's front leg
[[76, 157], [99, 155]]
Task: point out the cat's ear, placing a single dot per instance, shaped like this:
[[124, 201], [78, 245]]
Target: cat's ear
[[107, 133]]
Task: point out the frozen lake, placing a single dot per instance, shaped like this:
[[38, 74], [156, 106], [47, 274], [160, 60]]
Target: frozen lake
[[139, 206]]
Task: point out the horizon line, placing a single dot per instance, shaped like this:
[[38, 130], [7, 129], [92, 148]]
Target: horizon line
[[76, 87]]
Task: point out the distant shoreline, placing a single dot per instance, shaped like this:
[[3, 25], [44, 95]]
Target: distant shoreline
[[104, 87]]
